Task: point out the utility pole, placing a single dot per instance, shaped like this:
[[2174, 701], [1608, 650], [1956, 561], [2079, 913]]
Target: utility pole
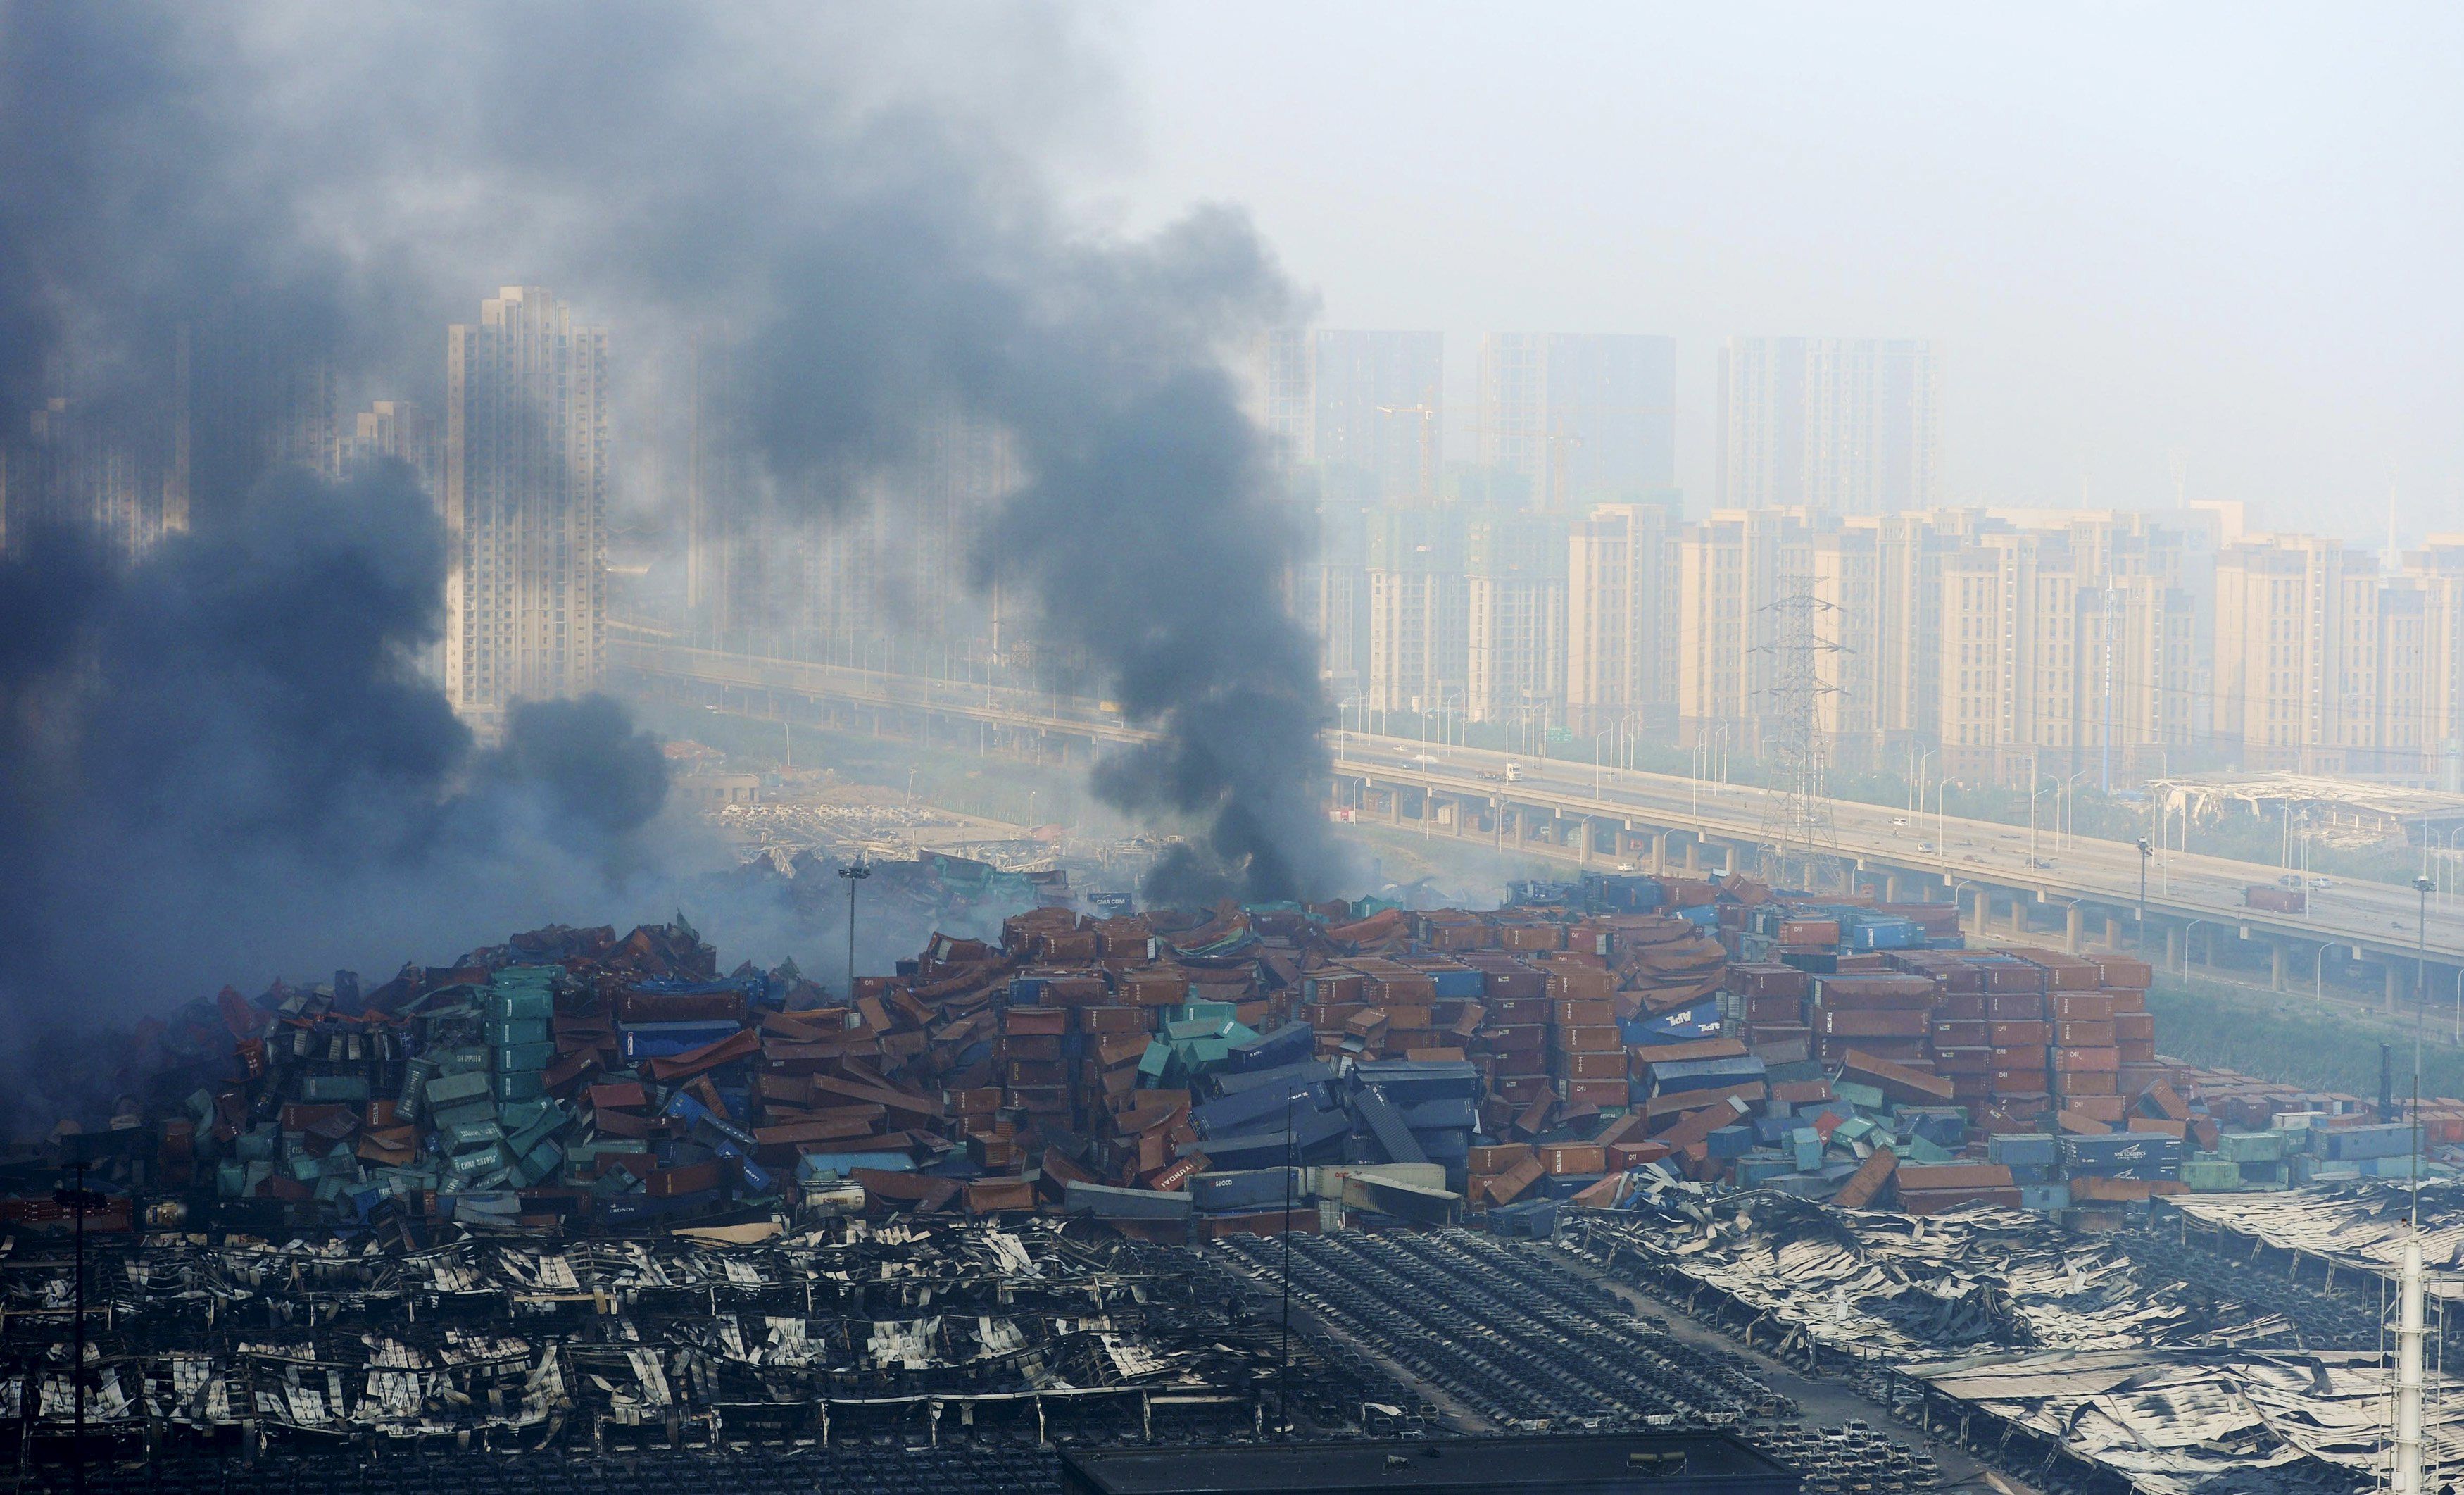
[[854, 873]]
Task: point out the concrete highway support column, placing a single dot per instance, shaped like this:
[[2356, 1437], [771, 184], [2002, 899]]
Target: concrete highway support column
[[2275, 965], [2074, 925], [2019, 913], [1658, 851], [1694, 853], [2396, 977], [1890, 886]]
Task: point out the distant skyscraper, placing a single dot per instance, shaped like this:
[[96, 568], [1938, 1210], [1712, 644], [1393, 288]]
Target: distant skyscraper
[[1378, 421], [1842, 425], [1582, 418], [525, 502]]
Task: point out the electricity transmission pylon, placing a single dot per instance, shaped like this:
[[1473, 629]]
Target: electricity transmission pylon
[[1797, 831]]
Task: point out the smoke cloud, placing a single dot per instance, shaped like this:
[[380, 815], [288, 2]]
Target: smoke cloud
[[219, 757], [223, 758]]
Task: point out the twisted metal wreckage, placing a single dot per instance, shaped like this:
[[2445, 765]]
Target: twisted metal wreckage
[[495, 1341], [2020, 1335]]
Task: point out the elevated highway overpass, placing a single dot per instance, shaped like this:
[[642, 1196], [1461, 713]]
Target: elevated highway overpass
[[2082, 893]]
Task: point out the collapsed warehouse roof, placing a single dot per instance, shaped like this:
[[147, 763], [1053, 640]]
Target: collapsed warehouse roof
[[2353, 1227], [2201, 1421], [1867, 1281], [2169, 1369], [894, 1321]]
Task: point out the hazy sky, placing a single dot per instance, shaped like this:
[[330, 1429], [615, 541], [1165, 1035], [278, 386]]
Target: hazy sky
[[2229, 232]]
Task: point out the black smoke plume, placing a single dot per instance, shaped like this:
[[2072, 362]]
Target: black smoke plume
[[222, 759], [218, 755]]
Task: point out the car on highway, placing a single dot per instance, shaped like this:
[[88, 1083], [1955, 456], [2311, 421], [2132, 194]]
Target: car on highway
[[1927, 846], [2323, 884], [1513, 771]]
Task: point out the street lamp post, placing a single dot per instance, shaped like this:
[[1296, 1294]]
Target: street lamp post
[[2145, 852], [2421, 951]]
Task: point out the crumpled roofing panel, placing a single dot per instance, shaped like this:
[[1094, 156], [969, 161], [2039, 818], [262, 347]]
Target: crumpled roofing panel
[[1870, 1279], [2362, 1228], [483, 1333], [2176, 1421]]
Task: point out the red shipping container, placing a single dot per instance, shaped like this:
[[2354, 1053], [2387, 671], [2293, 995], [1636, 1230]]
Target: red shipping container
[[2085, 1007], [1587, 1041], [1873, 1024], [1598, 1093]]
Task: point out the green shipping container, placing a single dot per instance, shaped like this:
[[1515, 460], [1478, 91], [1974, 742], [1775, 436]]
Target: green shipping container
[[524, 1056], [2252, 1147], [528, 1085], [2211, 1174], [450, 1090], [516, 1005]]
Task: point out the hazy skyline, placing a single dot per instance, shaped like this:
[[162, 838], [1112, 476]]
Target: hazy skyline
[[2131, 232]]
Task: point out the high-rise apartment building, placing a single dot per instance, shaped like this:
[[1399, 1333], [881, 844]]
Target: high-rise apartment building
[[2326, 663], [402, 430], [1840, 425], [1287, 393], [1580, 418], [1621, 618], [1732, 565], [1330, 593], [1378, 413], [1514, 569], [1419, 600], [526, 471]]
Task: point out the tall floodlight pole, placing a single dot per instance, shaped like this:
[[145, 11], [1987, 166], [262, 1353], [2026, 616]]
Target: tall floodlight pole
[[1284, 1375], [854, 873]]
